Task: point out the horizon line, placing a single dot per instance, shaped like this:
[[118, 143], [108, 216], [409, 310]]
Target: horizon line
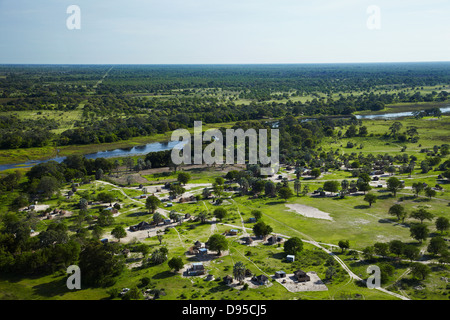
[[230, 64]]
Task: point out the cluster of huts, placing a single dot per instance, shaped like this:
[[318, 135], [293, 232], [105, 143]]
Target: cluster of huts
[[198, 249]]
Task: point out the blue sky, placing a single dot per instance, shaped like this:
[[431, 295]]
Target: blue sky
[[225, 31]]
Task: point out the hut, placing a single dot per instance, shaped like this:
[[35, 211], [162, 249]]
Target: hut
[[196, 269], [228, 279], [301, 276], [290, 258], [280, 274], [261, 279]]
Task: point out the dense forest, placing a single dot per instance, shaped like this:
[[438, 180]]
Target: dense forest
[[115, 108]]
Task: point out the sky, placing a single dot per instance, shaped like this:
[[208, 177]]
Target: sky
[[223, 31]]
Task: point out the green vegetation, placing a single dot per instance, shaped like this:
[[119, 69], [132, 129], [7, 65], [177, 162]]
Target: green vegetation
[[353, 192]]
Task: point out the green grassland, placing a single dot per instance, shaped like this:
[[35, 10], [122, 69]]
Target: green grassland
[[353, 220]]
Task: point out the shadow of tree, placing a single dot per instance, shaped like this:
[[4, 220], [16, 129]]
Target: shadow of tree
[[275, 202], [54, 288], [163, 275], [138, 214]]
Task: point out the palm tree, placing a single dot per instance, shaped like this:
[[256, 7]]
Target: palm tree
[[239, 271], [297, 186]]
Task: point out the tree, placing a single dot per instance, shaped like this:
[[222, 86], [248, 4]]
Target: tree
[[83, 204], [217, 242], [395, 128], [97, 231], [218, 189], [411, 252], [386, 271], [176, 264], [261, 229], [257, 214], [293, 246], [159, 256], [133, 294], [420, 270], [330, 272], [297, 186], [398, 211], [152, 203], [442, 224], [429, 192], [368, 252], [394, 185], [158, 218], [143, 248], [270, 189], [381, 248], [417, 187], [331, 186], [206, 193], [419, 232], [47, 186], [437, 246], [363, 185], [316, 173], [305, 190], [99, 174], [396, 247], [344, 184], [239, 271], [119, 232], [220, 213], [176, 190], [183, 177], [370, 198], [203, 216], [422, 214], [344, 245], [99, 264], [285, 193]]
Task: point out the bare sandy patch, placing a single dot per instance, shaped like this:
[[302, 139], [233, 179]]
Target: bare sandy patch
[[309, 212], [315, 284]]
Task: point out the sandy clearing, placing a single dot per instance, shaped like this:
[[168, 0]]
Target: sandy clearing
[[315, 284], [309, 212]]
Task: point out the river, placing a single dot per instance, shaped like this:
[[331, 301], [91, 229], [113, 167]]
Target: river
[[121, 152], [161, 146]]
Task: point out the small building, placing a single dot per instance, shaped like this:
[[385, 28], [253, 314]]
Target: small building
[[104, 240], [251, 220], [280, 274], [167, 221], [274, 239], [290, 258], [228, 279], [169, 204], [140, 226], [196, 269], [248, 240], [198, 244], [233, 232], [202, 251], [261, 279], [301, 276]]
